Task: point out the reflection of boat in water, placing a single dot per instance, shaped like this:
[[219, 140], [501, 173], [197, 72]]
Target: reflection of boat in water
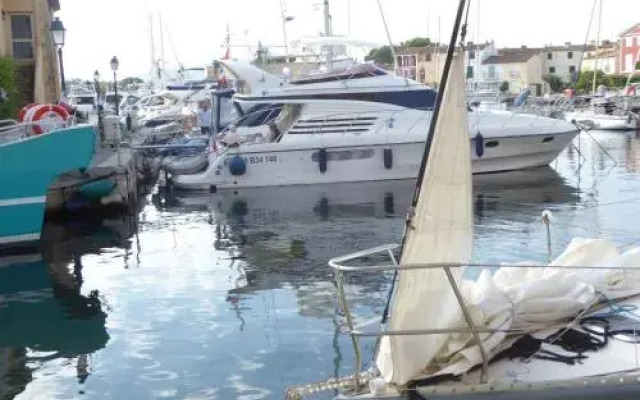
[[45, 311], [311, 201], [285, 234], [373, 199]]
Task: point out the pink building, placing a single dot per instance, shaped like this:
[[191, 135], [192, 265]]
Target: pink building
[[629, 49]]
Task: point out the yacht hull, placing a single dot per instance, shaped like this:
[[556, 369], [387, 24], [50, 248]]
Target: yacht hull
[[607, 123], [294, 165], [27, 169], [585, 392]]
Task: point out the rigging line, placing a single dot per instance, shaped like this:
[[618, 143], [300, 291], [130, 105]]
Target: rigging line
[[595, 61], [584, 46], [386, 29]]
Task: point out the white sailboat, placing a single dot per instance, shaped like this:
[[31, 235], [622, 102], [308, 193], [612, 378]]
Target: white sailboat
[[564, 330], [603, 113]]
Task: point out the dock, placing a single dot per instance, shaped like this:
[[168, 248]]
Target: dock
[[110, 183]]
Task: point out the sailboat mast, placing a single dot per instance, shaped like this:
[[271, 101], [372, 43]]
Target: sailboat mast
[[441, 90], [386, 29], [284, 31], [151, 42], [328, 32], [349, 18], [161, 42], [595, 63]]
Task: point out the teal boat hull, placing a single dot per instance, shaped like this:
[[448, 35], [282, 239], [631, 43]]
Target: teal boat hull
[[27, 169]]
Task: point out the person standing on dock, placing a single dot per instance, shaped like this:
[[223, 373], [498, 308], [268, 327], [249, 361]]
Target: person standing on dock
[[204, 117]]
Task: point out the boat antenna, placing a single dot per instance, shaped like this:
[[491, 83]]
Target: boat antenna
[[386, 30], [460, 28]]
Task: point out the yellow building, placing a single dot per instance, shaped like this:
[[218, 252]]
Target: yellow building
[[25, 37]]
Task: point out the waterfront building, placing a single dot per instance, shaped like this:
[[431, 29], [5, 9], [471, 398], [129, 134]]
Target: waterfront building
[[25, 37]]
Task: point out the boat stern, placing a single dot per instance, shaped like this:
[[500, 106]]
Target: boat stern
[[28, 166]]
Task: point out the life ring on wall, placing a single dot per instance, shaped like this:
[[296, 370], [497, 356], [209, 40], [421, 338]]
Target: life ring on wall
[[631, 91], [24, 111], [48, 112]]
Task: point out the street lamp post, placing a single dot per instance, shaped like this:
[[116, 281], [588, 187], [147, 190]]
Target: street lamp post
[[96, 79], [58, 33], [115, 64]]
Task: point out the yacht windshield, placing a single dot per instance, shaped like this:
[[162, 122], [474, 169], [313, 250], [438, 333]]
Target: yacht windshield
[[82, 101], [111, 98], [351, 72], [194, 74], [228, 112]]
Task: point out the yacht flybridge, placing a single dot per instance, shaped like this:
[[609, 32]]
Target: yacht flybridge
[[358, 123]]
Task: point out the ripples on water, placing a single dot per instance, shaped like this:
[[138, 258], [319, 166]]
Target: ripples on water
[[228, 296]]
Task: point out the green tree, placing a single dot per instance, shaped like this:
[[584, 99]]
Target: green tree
[[555, 82], [131, 81], [585, 82], [8, 107], [381, 55], [504, 87], [416, 42]]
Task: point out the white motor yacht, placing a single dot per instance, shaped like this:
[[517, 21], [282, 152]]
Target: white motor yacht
[[355, 124]]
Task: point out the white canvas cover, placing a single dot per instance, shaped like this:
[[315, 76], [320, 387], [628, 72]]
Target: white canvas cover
[[441, 230], [530, 298]]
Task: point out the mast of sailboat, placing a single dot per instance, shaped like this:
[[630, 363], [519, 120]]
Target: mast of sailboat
[[432, 128], [328, 32], [595, 62], [386, 29], [349, 18], [151, 42], [284, 30], [457, 29], [162, 61]]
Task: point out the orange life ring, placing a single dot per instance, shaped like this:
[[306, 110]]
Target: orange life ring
[[43, 111], [25, 109]]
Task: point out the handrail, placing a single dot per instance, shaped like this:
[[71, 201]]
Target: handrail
[[340, 266]]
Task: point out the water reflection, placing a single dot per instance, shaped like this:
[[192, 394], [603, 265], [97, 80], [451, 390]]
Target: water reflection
[[228, 295], [46, 312], [277, 237], [44, 316]]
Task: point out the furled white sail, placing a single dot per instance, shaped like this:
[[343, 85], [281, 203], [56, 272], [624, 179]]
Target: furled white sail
[[441, 230]]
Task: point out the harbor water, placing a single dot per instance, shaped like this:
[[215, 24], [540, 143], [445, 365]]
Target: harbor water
[[228, 296]]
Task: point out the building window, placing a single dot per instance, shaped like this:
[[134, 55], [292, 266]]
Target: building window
[[549, 56], [629, 41], [572, 69], [428, 59], [472, 55], [552, 70], [628, 62], [469, 72], [570, 55], [492, 71], [22, 37]]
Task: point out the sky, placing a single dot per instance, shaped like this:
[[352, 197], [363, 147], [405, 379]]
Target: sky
[[194, 30]]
